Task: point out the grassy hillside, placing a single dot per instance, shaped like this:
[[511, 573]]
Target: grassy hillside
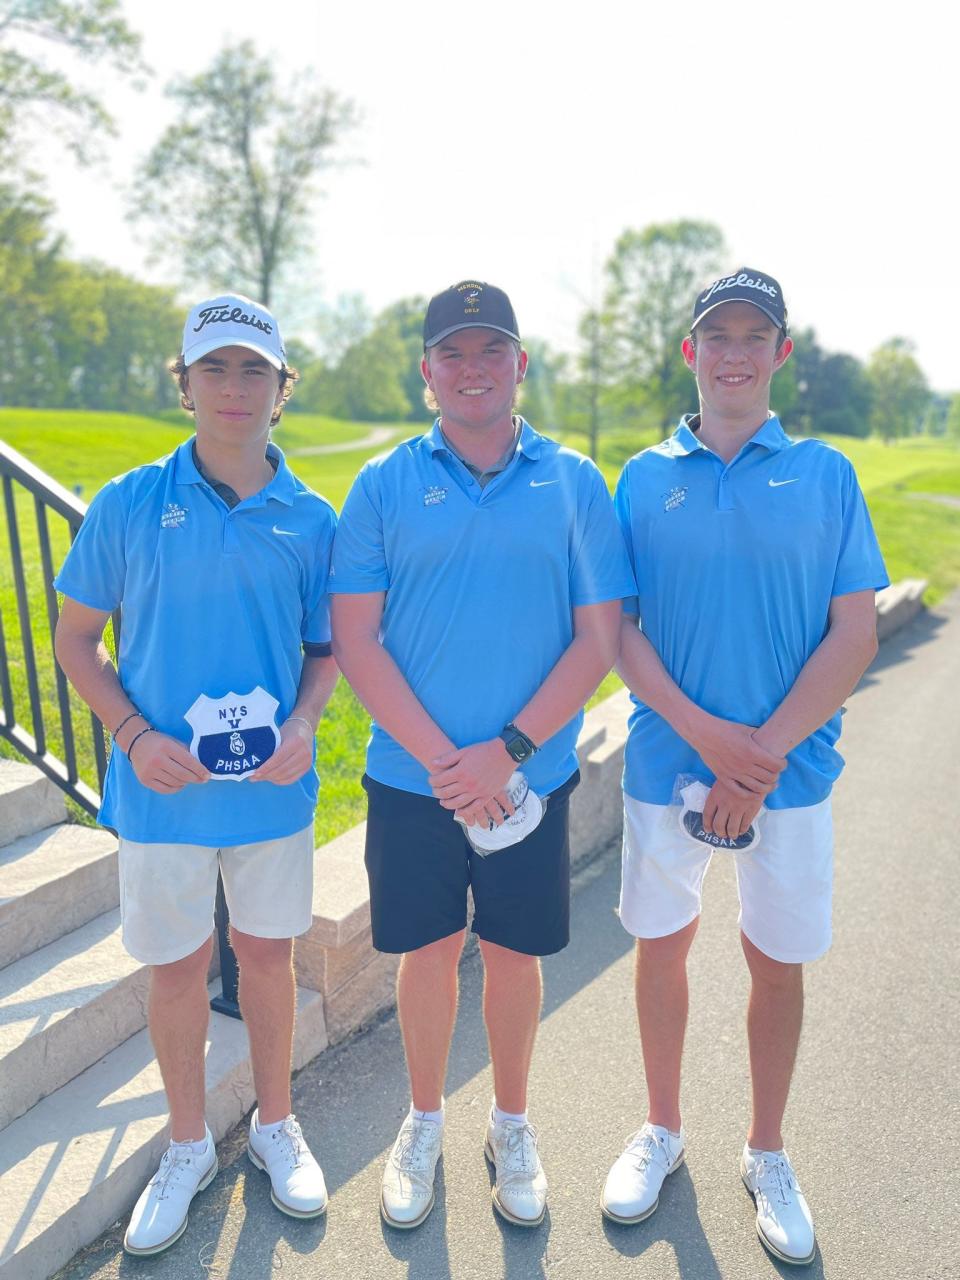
[[920, 537]]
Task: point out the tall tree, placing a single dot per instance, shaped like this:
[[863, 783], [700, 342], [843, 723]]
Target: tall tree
[[651, 279], [834, 393], [76, 335], [229, 186], [94, 31], [900, 390], [953, 419]]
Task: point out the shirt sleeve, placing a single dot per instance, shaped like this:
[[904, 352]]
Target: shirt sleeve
[[95, 570], [600, 569], [621, 507], [359, 558], [315, 627], [860, 565]]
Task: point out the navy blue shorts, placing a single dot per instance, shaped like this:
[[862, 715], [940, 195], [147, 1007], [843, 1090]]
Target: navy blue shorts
[[420, 865]]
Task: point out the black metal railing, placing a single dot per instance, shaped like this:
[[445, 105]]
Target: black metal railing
[[30, 673]]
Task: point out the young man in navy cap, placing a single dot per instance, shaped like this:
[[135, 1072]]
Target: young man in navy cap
[[218, 556], [756, 566], [477, 577]]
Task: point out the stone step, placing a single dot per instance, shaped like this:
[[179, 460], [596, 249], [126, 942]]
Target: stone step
[[28, 801], [51, 882], [77, 1161], [62, 1008], [898, 604]]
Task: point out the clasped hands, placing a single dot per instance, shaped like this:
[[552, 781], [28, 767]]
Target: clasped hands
[[471, 781], [163, 764], [745, 772]]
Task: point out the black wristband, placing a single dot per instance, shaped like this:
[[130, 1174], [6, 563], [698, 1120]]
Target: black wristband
[[149, 729], [126, 720]]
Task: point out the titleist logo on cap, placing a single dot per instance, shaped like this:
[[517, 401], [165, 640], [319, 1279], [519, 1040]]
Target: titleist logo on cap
[[744, 282], [226, 315]]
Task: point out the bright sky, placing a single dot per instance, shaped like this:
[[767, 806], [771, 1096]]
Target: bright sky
[[514, 140]]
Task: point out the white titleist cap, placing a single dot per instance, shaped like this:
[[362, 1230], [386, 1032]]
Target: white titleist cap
[[232, 321]]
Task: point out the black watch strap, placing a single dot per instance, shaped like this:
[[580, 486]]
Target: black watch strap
[[518, 745]]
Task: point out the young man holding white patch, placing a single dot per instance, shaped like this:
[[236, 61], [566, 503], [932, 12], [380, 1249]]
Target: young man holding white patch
[[756, 567], [477, 581], [218, 557]]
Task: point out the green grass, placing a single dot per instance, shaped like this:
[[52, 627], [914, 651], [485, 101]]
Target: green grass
[[919, 539]]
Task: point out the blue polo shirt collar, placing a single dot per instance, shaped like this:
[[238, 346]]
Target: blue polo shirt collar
[[530, 442], [282, 487], [684, 441]]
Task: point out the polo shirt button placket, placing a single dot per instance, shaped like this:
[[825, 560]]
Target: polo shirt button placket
[[724, 502]]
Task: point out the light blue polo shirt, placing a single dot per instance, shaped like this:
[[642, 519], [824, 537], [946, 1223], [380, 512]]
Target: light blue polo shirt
[[214, 601], [480, 585], [736, 564]]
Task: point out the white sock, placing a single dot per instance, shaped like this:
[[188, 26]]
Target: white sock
[[269, 1128], [764, 1151], [197, 1147], [435, 1117], [513, 1116]]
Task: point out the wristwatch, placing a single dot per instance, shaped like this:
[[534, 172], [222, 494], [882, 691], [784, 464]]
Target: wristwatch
[[518, 745]]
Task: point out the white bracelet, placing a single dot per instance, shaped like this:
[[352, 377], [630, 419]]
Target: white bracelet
[[303, 720]]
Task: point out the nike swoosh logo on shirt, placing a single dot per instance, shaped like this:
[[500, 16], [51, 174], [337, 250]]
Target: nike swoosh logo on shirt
[[285, 533], [538, 484], [775, 484]]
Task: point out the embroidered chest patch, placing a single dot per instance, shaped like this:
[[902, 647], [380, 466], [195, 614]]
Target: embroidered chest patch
[[676, 497], [434, 495], [172, 516]]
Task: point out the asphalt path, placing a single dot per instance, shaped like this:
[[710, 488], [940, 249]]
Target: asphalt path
[[873, 1122]]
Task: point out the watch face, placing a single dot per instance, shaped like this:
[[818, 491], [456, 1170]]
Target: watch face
[[517, 745]]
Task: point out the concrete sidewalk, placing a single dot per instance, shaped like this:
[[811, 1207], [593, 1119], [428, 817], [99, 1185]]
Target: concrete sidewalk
[[874, 1120]]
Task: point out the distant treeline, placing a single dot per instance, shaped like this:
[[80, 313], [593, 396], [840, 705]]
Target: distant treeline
[[84, 336]]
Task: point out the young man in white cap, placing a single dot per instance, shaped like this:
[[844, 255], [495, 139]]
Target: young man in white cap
[[477, 577], [756, 567], [218, 556]]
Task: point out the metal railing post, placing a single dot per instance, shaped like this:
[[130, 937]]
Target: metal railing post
[[226, 1002]]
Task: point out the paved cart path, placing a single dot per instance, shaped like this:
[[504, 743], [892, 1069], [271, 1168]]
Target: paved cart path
[[873, 1124]]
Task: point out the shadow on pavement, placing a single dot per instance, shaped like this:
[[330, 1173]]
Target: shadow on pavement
[[675, 1223], [902, 645]]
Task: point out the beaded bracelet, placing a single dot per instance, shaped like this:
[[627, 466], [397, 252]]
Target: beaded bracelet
[[136, 739], [126, 719]]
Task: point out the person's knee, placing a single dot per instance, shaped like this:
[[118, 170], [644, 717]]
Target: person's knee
[[181, 975], [434, 958], [668, 951], [771, 973], [261, 953], [501, 962]]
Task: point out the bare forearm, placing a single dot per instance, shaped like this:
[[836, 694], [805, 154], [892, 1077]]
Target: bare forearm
[[317, 682], [88, 666], [377, 681], [641, 670], [569, 685], [827, 678], [727, 748]]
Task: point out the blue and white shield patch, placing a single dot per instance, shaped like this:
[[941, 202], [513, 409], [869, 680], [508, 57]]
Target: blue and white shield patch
[[235, 734]]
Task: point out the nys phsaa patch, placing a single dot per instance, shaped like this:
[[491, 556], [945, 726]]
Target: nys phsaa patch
[[235, 734]]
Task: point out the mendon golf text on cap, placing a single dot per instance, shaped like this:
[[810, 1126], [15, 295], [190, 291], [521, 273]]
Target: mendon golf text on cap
[[232, 321], [745, 285], [471, 304]]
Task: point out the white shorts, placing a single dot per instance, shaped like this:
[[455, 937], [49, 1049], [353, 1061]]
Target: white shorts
[[168, 893], [785, 884]]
